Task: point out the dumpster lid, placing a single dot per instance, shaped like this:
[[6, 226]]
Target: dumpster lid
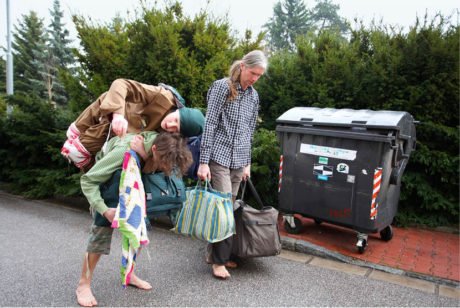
[[345, 117]]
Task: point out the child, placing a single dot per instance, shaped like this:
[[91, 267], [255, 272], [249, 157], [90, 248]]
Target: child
[[168, 152]]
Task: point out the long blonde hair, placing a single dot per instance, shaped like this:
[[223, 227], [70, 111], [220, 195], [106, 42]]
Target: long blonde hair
[[251, 59]]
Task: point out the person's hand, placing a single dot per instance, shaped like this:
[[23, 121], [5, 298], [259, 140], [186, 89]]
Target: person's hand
[[119, 125], [137, 144], [204, 172], [110, 214], [246, 172]]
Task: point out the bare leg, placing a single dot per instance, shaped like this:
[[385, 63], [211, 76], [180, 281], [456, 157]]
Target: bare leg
[[84, 295]]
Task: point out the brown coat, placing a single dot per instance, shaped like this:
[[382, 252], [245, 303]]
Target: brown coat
[[142, 105]]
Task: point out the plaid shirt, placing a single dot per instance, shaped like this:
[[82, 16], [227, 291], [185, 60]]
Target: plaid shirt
[[230, 126]]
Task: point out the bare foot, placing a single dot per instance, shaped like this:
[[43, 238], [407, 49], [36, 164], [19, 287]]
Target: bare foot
[[219, 271], [85, 297], [139, 283], [229, 264]]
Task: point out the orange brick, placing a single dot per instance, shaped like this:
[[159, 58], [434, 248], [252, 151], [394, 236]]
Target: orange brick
[[405, 267], [441, 268], [373, 259], [422, 269]]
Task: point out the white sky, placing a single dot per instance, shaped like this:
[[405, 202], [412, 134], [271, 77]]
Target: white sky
[[242, 14]]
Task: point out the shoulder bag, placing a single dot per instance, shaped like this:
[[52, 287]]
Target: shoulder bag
[[257, 233]]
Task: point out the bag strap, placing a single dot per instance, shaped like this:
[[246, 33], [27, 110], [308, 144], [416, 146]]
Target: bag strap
[[253, 191], [207, 183], [174, 185]]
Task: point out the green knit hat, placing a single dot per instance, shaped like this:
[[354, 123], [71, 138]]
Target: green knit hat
[[191, 122]]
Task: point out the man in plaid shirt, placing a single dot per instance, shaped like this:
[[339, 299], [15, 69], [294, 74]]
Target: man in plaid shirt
[[225, 151]]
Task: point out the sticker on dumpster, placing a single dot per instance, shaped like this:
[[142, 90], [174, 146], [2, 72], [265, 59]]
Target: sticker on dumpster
[[343, 168], [323, 160], [327, 151], [323, 170], [322, 177], [350, 178]]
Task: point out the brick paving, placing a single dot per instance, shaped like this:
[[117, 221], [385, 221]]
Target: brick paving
[[414, 250]]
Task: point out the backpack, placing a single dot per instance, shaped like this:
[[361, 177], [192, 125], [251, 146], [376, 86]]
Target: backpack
[[165, 195]]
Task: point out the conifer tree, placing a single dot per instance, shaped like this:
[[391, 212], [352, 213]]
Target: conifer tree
[[325, 16], [290, 19], [57, 56], [28, 42], [60, 54]]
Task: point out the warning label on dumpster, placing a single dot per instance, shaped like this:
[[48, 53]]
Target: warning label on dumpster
[[327, 151], [323, 170]]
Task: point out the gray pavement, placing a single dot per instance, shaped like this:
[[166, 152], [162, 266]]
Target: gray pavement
[[43, 247]]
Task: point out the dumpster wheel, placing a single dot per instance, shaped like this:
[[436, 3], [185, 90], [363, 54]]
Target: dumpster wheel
[[386, 234], [362, 242], [288, 222], [362, 248]]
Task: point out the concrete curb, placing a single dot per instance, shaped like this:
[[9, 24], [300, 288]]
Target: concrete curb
[[318, 251]]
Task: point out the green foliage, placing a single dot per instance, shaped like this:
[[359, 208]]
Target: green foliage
[[58, 56], [265, 158], [325, 17], [380, 69], [2, 75], [29, 40], [31, 138], [291, 20], [158, 46], [40, 54]]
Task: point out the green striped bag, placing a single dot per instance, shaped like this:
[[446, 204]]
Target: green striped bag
[[207, 215]]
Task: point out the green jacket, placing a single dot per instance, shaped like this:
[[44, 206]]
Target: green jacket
[[106, 164]]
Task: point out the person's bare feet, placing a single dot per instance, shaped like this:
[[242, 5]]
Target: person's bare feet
[[139, 283], [85, 297], [229, 264], [219, 271]]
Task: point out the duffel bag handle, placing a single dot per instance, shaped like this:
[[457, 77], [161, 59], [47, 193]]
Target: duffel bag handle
[[253, 191]]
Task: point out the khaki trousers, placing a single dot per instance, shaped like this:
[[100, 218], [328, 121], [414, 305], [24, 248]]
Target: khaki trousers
[[226, 180]]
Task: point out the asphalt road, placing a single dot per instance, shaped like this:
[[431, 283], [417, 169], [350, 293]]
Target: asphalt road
[[43, 247]]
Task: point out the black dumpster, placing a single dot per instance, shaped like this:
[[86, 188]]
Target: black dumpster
[[344, 167]]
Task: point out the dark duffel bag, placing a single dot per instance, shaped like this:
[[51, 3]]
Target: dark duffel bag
[[257, 233]]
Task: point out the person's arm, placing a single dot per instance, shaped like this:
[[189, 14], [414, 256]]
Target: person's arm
[[115, 102], [252, 126], [100, 173]]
